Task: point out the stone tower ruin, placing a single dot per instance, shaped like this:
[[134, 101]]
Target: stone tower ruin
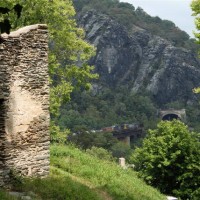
[[24, 103]]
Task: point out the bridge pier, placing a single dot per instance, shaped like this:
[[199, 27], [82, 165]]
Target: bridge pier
[[126, 140], [129, 136]]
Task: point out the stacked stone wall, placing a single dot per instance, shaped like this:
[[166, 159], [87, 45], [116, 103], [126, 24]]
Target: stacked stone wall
[[24, 103]]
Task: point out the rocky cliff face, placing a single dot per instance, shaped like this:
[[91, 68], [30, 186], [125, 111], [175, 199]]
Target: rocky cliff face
[[142, 61]]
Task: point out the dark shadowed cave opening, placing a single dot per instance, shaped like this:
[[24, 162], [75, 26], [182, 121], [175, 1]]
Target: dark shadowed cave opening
[[170, 117]]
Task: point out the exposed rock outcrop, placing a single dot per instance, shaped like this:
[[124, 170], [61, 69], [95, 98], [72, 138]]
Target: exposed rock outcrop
[[142, 61]]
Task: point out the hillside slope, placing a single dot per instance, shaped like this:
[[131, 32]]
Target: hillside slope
[[104, 175], [76, 175], [144, 64], [140, 60]]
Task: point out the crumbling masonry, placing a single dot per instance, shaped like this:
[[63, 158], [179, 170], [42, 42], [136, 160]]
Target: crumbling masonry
[[24, 103]]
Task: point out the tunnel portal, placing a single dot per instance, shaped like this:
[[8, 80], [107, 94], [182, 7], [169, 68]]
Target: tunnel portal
[[171, 114], [170, 117]]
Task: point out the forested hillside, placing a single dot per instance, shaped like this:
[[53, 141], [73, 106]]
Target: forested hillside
[[127, 15], [144, 64]]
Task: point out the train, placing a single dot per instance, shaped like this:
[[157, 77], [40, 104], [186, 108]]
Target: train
[[121, 127]]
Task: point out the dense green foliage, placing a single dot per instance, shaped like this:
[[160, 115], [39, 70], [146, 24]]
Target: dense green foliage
[[100, 153], [193, 116], [8, 10], [169, 159], [110, 106], [100, 143], [68, 53], [127, 15], [196, 11], [89, 110], [107, 108], [86, 140], [104, 175]]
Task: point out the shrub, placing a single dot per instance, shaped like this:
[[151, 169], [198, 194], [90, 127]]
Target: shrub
[[169, 159], [100, 153]]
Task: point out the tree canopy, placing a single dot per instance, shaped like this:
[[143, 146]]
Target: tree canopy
[[127, 15], [68, 52], [195, 5], [169, 159]]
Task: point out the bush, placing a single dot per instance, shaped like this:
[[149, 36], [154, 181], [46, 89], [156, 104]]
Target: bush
[[169, 159], [121, 150], [100, 153]]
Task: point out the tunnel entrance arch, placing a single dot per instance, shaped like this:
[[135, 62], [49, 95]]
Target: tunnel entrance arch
[[170, 117], [171, 114]]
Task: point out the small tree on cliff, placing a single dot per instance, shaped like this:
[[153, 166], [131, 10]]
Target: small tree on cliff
[[195, 5], [169, 159]]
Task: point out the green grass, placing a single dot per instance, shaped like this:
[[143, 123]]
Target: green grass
[[5, 196], [57, 188], [102, 175], [53, 188], [76, 175]]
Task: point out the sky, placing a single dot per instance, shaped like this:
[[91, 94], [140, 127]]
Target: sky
[[177, 11]]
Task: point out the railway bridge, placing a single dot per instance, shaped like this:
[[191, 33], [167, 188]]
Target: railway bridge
[[127, 133]]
